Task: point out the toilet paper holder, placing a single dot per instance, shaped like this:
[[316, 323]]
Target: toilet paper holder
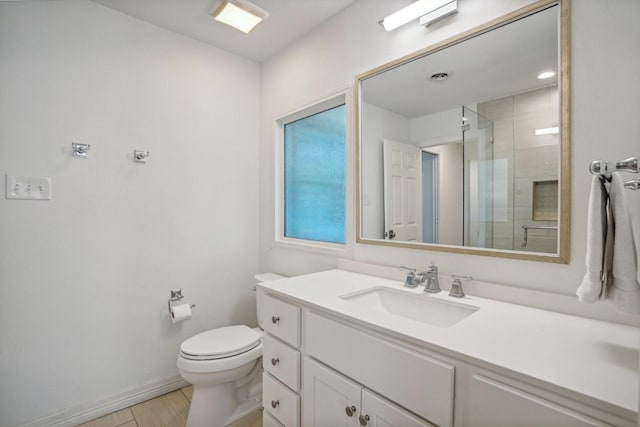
[[176, 296]]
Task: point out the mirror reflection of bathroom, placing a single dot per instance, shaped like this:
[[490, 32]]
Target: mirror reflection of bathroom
[[498, 176], [469, 161]]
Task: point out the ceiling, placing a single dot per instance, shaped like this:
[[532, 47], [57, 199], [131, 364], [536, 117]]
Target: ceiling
[[288, 20], [499, 63]]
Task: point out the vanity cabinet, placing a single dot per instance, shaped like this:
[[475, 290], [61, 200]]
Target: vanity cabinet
[[326, 370], [281, 363], [334, 400]]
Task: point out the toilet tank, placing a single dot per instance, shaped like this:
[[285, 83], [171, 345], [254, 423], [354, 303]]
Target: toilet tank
[[263, 277]]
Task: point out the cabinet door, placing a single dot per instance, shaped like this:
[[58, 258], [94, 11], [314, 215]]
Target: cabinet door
[[269, 421], [379, 412], [330, 400], [495, 404], [422, 384]]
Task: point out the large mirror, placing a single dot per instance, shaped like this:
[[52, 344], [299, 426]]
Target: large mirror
[[464, 146]]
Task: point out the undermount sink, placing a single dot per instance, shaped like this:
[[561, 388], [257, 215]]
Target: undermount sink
[[420, 307]]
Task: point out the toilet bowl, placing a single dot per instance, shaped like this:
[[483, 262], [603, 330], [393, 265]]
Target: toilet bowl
[[224, 365]]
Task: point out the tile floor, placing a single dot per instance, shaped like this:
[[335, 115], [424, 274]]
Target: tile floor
[[169, 410]]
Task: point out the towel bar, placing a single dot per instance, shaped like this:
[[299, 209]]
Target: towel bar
[[526, 229], [603, 167]]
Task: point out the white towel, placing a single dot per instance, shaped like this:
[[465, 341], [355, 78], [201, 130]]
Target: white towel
[[594, 282], [626, 289]]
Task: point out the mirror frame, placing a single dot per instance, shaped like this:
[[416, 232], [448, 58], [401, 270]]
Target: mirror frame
[[562, 256]]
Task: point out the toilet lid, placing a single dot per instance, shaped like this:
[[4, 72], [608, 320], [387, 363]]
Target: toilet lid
[[222, 342]]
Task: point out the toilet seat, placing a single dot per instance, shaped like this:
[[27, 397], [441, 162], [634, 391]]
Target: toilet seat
[[220, 343]]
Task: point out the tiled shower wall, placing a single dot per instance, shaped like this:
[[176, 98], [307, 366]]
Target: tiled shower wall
[[528, 159]]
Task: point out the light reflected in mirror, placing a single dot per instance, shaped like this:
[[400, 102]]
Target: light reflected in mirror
[[460, 147]]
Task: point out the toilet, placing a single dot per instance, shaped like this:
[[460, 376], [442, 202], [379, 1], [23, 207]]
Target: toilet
[[224, 366]]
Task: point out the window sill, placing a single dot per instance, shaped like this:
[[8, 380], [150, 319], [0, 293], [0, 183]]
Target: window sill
[[334, 249]]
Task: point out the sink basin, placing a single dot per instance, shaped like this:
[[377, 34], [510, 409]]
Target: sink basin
[[420, 307]]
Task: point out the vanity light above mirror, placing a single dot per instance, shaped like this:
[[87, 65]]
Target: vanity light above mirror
[[464, 145]]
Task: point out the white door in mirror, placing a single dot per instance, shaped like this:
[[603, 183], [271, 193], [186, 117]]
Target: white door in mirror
[[402, 191]]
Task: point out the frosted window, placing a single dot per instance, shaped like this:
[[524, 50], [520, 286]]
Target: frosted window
[[314, 177]]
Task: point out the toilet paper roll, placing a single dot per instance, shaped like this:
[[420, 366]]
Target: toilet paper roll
[[180, 313]]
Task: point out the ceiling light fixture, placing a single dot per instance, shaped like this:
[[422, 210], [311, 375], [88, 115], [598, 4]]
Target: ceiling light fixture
[[415, 11], [546, 75], [239, 14], [547, 131], [440, 13]]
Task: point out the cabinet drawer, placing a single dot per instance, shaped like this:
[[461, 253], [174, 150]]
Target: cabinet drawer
[[280, 402], [420, 383], [281, 361], [282, 320], [497, 404]]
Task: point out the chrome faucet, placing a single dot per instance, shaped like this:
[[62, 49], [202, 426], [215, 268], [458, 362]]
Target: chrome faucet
[[456, 286], [431, 276]]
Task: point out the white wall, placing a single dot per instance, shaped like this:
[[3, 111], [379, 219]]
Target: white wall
[[602, 35], [85, 277], [443, 127]]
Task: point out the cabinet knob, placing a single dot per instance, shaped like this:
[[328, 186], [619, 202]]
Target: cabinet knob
[[350, 410], [275, 403], [363, 419], [275, 361], [275, 319]]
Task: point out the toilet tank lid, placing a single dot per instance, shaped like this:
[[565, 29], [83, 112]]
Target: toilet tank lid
[[265, 277]]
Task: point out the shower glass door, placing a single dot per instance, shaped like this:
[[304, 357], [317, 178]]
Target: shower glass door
[[478, 182]]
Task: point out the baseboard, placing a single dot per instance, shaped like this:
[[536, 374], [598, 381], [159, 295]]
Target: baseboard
[[88, 411]]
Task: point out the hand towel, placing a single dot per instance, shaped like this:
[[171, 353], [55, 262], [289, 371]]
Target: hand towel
[[594, 280], [626, 289]]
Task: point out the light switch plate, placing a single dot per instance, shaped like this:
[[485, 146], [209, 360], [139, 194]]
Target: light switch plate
[[28, 188]]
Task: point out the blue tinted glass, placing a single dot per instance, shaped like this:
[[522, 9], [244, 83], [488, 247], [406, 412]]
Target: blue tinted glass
[[314, 169]]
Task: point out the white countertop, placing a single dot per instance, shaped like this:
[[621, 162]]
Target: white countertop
[[590, 357]]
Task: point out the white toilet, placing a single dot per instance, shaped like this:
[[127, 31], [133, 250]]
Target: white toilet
[[224, 366]]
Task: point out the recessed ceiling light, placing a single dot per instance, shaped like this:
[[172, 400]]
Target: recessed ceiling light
[[438, 77], [546, 75], [239, 14]]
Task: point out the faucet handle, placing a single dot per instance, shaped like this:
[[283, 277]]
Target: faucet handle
[[410, 281], [433, 268], [456, 286]]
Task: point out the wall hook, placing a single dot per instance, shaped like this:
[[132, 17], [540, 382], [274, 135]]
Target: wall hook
[[80, 150], [140, 156]]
